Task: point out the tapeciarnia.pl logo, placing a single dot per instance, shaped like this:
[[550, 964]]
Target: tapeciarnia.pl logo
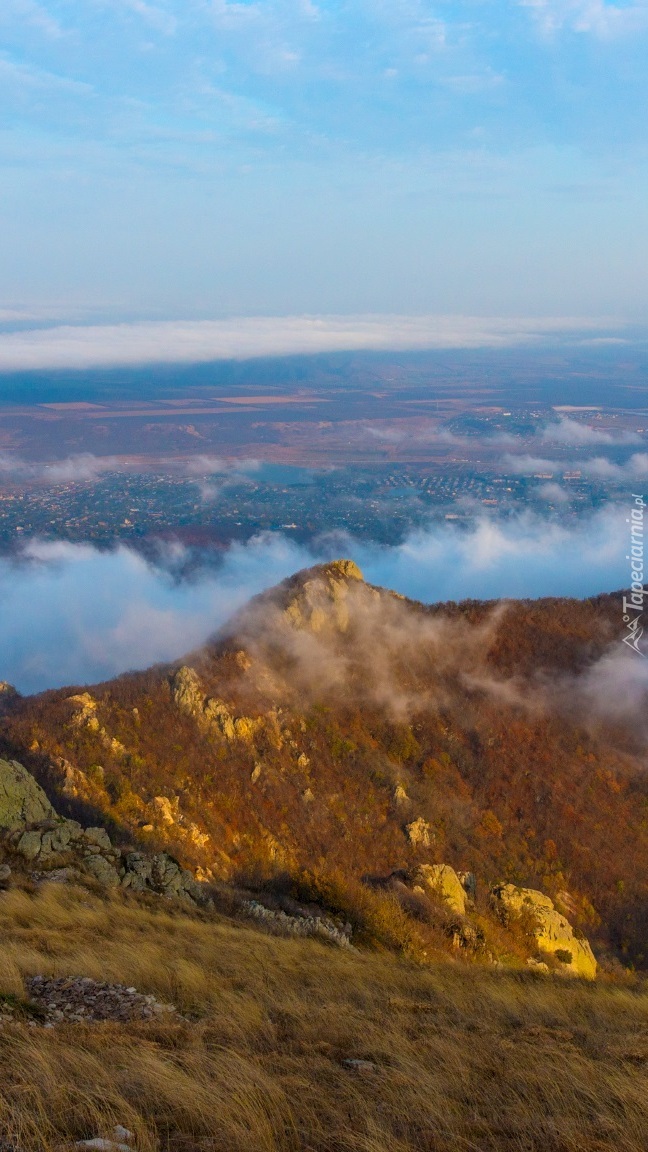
[[633, 603]]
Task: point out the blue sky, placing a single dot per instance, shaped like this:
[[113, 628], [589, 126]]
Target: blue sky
[[197, 158]]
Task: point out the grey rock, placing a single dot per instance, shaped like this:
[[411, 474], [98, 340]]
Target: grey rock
[[88, 1001], [137, 871], [283, 924], [103, 871], [5, 873], [57, 876], [99, 1144], [63, 835], [119, 1131], [29, 845], [46, 848], [162, 874], [98, 837], [22, 800]]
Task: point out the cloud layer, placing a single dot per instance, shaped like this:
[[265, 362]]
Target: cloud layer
[[72, 614], [577, 435], [79, 467], [203, 340]]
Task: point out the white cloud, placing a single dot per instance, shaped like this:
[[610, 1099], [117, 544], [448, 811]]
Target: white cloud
[[203, 340], [552, 493], [599, 466], [616, 687], [29, 13], [17, 77], [596, 17], [596, 466], [573, 433], [152, 14], [83, 466], [73, 614], [528, 465]]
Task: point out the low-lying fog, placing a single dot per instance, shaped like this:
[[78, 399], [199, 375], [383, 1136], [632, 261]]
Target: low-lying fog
[[70, 614]]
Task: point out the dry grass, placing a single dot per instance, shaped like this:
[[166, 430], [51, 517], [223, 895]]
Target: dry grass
[[466, 1059]]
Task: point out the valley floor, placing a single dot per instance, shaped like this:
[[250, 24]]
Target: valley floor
[[282, 1045]]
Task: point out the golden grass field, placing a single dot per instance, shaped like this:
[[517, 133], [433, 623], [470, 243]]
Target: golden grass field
[[467, 1059]]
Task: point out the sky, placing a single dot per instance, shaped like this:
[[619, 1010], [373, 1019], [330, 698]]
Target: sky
[[198, 160], [73, 614]]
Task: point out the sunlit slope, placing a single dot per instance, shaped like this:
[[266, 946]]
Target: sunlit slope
[[337, 725]]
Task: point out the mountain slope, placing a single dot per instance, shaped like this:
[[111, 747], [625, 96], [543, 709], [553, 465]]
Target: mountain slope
[[334, 725]]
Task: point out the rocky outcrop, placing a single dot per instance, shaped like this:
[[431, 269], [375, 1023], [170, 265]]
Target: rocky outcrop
[[160, 873], [35, 837], [85, 716], [468, 882], [63, 850], [22, 800], [210, 713], [320, 600], [553, 934], [442, 881], [283, 924]]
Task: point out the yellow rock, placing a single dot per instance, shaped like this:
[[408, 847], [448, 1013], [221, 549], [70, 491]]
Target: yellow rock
[[419, 832], [553, 933], [400, 795], [442, 881], [210, 712], [165, 809], [320, 603]]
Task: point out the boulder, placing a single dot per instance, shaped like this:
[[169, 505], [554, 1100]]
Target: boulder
[[29, 844], [441, 880], [97, 838], [553, 934], [61, 837], [22, 800], [137, 871], [103, 871], [159, 873], [187, 691]]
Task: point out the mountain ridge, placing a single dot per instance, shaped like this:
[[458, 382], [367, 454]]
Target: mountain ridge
[[336, 724]]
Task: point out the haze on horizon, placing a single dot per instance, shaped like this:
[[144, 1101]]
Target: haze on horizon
[[201, 159]]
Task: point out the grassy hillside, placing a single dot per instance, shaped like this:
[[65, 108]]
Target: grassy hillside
[[453, 1058]]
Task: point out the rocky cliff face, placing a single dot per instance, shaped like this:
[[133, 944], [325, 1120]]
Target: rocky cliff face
[[22, 801]]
